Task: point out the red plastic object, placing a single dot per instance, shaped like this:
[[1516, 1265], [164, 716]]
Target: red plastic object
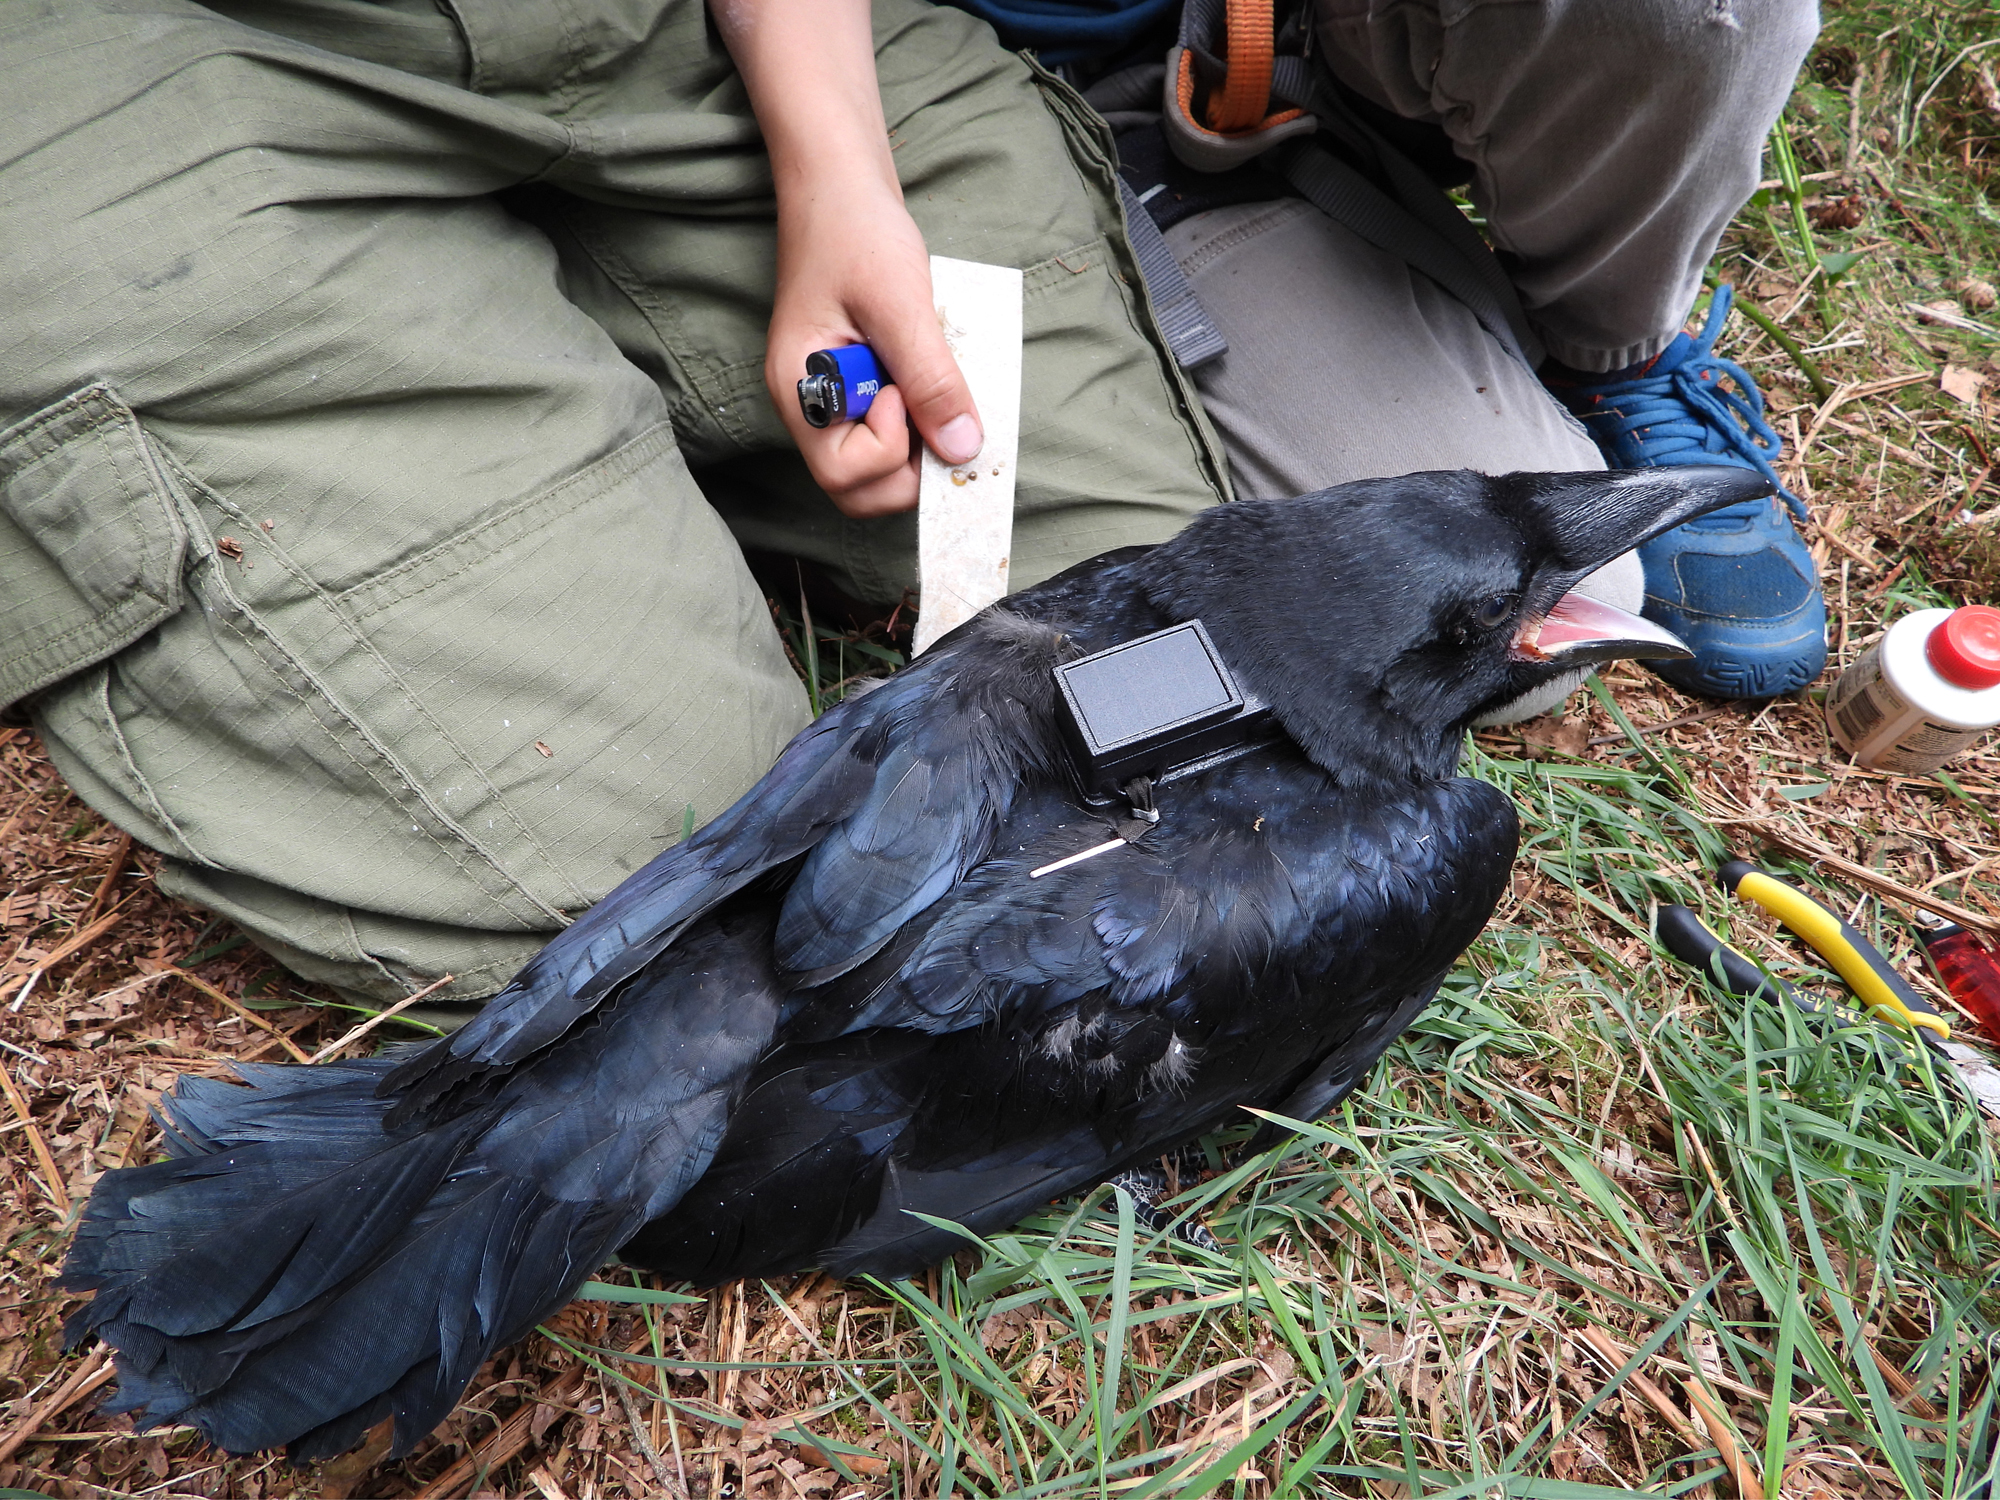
[[1965, 649], [1969, 970]]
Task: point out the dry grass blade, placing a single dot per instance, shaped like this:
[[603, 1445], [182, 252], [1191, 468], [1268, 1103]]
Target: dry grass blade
[[59, 954], [233, 1004], [51, 1178], [1655, 1397], [114, 866], [669, 1484], [379, 1017], [1723, 1436], [507, 1443], [92, 1373]]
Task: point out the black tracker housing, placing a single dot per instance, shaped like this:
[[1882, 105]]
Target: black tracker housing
[[1155, 706]]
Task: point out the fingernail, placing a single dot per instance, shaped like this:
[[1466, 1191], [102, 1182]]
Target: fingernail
[[959, 440]]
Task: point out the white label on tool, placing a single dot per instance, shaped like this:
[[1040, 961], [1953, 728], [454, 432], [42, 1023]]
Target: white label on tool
[[965, 512]]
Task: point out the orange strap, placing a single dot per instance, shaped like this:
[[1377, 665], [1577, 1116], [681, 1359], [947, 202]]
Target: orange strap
[[1246, 89]]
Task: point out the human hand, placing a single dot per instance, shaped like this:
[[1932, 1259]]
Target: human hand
[[852, 268]]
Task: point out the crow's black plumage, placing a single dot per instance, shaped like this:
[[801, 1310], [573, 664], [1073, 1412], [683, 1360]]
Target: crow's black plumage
[[846, 1004]]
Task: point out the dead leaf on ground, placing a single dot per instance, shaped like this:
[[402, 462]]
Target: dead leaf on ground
[[1963, 383], [1836, 213], [1554, 732], [1976, 294]]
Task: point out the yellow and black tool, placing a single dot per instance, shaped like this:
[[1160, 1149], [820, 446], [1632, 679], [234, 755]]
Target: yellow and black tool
[[1883, 992], [1878, 986]]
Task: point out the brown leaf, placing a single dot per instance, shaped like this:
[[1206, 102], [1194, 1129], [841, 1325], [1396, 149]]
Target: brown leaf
[[1551, 732], [1836, 213], [546, 752], [1962, 383], [1977, 295], [340, 1476], [1566, 1459], [230, 548], [857, 1463], [1001, 1329]]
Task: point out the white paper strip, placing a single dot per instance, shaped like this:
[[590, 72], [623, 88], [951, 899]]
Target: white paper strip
[[965, 512]]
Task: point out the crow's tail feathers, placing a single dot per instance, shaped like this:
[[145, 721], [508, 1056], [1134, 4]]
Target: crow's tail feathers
[[295, 1275]]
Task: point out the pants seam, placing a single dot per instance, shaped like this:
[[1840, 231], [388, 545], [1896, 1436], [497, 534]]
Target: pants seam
[[1211, 250], [139, 780], [361, 950], [557, 499], [263, 643]]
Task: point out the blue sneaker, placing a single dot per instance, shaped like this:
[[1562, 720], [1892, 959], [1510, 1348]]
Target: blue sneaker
[[1737, 585]]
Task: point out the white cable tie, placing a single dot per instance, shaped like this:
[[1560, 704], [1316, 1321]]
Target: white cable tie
[[1075, 859]]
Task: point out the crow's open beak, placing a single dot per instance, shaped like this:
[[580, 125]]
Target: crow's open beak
[[1579, 631], [1588, 519]]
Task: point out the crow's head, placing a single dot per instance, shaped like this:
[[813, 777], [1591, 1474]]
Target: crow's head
[[1381, 618]]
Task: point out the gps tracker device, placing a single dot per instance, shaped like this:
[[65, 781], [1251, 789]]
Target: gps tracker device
[[1162, 706]]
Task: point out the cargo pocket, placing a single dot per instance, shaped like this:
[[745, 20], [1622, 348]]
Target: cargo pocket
[[91, 544]]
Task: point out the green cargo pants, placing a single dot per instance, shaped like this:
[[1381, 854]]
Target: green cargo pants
[[383, 407]]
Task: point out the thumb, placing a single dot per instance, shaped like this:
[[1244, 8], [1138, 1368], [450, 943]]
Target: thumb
[[935, 393]]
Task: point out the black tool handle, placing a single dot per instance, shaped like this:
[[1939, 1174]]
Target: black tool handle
[[1684, 935]]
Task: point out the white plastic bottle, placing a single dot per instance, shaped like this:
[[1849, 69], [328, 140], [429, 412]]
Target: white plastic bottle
[[1922, 693]]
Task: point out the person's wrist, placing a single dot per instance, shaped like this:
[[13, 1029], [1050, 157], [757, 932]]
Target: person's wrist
[[837, 199]]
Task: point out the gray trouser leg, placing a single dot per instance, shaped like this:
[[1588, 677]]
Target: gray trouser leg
[[1344, 364], [1611, 140]]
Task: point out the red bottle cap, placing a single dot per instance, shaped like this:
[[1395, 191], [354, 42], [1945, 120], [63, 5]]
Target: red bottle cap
[[1965, 649]]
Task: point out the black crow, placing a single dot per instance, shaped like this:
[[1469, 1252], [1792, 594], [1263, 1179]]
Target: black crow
[[880, 987]]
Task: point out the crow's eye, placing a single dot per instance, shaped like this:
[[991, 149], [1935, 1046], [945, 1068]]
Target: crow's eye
[[1492, 613]]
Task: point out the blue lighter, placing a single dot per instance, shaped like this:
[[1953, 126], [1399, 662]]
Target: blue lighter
[[840, 384]]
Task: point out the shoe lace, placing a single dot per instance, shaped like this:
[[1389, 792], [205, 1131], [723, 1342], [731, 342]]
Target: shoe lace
[[1688, 416]]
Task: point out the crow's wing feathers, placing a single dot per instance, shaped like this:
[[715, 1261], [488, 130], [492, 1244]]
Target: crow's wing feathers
[[1028, 1036], [951, 770], [1261, 864], [928, 813], [1227, 904], [891, 796]]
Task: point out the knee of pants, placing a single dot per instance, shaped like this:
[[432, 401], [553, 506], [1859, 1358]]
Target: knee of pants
[[430, 767], [1344, 363]]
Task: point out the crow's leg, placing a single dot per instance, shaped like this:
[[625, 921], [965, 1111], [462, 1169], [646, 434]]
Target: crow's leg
[[1187, 1165], [1148, 1186]]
